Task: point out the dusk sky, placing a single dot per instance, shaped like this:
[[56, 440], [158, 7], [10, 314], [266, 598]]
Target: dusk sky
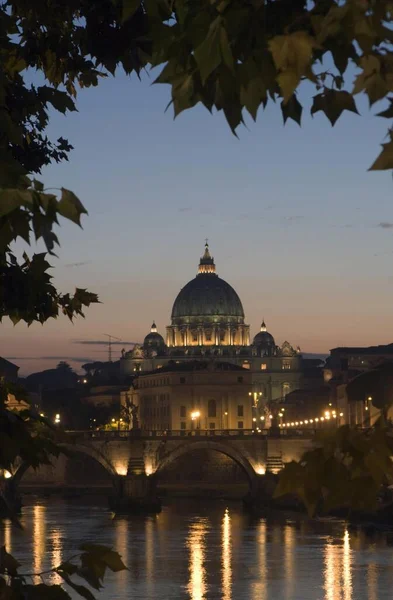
[[295, 222]]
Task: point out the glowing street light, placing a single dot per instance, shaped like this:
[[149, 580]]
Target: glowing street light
[[57, 418]]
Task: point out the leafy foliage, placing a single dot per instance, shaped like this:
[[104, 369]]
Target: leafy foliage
[[28, 438], [345, 470], [89, 565]]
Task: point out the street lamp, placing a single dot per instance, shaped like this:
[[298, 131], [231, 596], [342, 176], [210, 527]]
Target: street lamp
[[195, 417]]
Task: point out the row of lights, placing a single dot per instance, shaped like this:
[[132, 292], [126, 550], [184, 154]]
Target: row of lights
[[327, 416]]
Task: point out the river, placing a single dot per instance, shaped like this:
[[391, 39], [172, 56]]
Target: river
[[195, 550]]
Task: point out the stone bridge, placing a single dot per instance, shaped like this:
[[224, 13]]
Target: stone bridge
[[134, 459]]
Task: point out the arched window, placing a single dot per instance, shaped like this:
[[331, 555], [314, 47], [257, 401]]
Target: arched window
[[211, 409]]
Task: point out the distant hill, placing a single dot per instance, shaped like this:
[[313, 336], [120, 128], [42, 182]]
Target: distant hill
[[51, 379]]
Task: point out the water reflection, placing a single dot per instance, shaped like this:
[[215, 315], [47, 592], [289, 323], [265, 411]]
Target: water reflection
[[121, 535], [200, 552], [149, 537], [197, 548], [347, 567], [56, 553], [8, 536], [338, 570], [260, 587], [289, 545], [226, 557], [39, 537]]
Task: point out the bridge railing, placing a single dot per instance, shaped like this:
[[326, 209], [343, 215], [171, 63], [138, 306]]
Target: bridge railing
[[184, 433]]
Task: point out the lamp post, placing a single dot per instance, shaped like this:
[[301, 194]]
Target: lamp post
[[255, 400], [195, 416]]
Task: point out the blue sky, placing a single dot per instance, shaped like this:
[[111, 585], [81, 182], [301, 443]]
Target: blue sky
[[292, 215]]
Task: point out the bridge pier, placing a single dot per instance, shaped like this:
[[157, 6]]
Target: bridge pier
[[135, 494]]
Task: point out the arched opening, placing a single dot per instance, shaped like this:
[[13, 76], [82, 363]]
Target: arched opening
[[75, 471], [204, 469]]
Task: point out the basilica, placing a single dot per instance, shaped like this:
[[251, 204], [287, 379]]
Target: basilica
[[208, 328]]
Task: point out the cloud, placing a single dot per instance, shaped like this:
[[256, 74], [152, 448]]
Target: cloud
[[79, 264], [103, 342], [184, 209], [79, 359], [385, 225]]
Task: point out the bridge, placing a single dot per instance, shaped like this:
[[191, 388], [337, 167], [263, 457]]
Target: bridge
[[133, 460]]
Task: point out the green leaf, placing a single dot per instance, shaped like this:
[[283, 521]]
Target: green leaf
[[8, 564], [70, 207], [61, 101], [226, 51], [385, 159], [292, 109], [79, 589], [370, 79], [292, 55], [129, 9], [333, 103], [10, 199], [38, 186], [113, 561], [208, 53]]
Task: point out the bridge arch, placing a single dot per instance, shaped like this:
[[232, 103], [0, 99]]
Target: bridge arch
[[215, 446], [71, 449]]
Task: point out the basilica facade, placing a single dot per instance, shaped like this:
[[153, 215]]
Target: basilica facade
[[208, 327]]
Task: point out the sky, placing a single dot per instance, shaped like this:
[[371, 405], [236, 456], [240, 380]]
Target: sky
[[295, 222]]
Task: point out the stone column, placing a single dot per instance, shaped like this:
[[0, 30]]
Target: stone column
[[135, 494]]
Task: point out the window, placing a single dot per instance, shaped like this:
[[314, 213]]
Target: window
[[240, 412], [194, 337], [222, 336], [182, 380], [208, 337], [183, 425], [212, 425], [183, 412], [240, 425], [240, 379], [211, 409], [263, 366], [246, 364], [286, 365]]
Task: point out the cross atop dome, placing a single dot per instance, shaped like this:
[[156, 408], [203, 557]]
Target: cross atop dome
[[206, 264]]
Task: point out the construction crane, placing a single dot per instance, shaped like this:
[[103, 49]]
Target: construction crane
[[110, 338]]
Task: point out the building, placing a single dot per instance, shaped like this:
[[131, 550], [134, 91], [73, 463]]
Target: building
[[345, 363], [208, 326], [194, 395]]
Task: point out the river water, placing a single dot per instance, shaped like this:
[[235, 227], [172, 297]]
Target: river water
[[196, 550]]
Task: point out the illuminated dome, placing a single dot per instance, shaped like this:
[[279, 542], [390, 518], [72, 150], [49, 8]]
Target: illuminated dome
[[207, 295], [264, 339], [153, 339]]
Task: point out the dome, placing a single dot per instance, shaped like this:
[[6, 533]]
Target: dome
[[264, 338], [207, 295], [153, 339]]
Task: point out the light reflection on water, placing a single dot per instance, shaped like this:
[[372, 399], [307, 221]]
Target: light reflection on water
[[209, 551], [226, 557], [196, 547]]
